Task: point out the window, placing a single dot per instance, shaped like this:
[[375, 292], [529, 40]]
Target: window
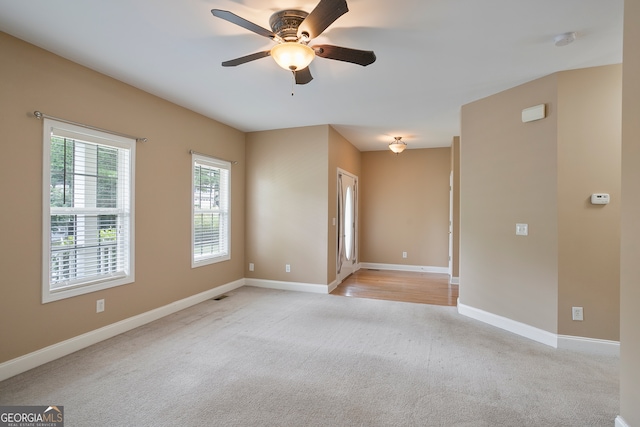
[[211, 210], [88, 210]]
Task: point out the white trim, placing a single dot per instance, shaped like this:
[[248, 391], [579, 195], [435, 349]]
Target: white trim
[[223, 165], [93, 136], [454, 280], [21, 364], [589, 345], [566, 342], [402, 267], [620, 422], [510, 325], [288, 286]]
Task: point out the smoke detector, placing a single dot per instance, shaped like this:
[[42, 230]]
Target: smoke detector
[[564, 39]]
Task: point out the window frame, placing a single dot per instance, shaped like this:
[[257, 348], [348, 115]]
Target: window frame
[[211, 162], [102, 138]]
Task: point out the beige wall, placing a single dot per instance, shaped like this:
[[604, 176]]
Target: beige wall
[[33, 79], [542, 173], [630, 250], [508, 177], [286, 204], [589, 111], [343, 155], [405, 207], [455, 168]]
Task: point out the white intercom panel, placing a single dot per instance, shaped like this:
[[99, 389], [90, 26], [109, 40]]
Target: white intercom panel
[[534, 113], [599, 199]]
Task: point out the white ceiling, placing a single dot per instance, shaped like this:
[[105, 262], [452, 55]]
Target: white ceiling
[[433, 56]]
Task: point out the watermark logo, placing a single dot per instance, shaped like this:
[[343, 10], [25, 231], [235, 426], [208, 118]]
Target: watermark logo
[[32, 416]]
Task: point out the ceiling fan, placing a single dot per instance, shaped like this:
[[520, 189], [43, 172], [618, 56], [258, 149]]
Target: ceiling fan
[[292, 30]]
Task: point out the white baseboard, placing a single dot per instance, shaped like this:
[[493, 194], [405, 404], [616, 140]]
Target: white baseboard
[[589, 345], [454, 280], [510, 325], [402, 267], [288, 286], [620, 422], [581, 344], [21, 364]]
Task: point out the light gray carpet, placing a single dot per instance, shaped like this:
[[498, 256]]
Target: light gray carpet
[[275, 358]]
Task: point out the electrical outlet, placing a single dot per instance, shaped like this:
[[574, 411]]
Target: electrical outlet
[[251, 266], [522, 229], [577, 313], [404, 254], [100, 306], [287, 268]]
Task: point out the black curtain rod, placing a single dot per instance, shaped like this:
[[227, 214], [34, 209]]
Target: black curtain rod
[[40, 115], [233, 162]]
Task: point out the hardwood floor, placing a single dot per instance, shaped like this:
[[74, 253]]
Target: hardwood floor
[[424, 288]]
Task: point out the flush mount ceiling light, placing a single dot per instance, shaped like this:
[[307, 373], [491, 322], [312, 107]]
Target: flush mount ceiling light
[[398, 145], [564, 39]]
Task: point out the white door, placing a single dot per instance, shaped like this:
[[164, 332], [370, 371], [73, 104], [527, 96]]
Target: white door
[[450, 226], [347, 224]]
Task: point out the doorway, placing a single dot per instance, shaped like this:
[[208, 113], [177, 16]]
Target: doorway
[[347, 224]]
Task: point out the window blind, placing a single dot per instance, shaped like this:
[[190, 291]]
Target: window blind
[[90, 190], [210, 209]]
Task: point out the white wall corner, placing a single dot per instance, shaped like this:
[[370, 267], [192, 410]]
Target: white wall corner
[[402, 267], [589, 345], [23, 363], [510, 325], [620, 422], [288, 286]]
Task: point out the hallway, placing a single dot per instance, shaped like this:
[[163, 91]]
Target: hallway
[[417, 287]]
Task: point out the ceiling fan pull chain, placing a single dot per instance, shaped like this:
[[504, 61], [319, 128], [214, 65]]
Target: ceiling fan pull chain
[[293, 80]]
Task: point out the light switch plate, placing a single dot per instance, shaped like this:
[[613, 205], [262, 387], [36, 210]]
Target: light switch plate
[[522, 229]]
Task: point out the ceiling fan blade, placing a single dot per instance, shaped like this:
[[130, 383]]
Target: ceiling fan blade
[[360, 57], [303, 76], [245, 59], [235, 19], [324, 14]]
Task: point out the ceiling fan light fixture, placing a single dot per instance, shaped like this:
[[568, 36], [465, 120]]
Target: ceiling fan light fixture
[[397, 146], [292, 56]]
